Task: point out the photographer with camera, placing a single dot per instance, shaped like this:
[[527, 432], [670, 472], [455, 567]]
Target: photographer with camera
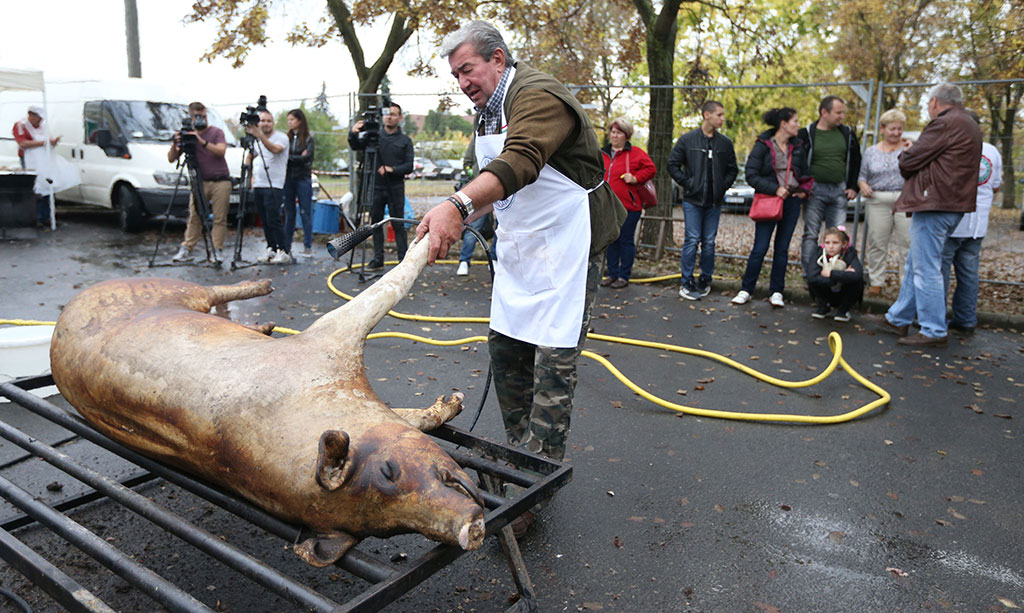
[[267, 181], [394, 161], [210, 146]]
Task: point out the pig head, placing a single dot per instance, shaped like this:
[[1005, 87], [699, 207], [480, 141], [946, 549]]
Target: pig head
[[292, 424]]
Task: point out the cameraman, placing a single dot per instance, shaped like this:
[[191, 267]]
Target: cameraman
[[213, 169], [394, 161], [267, 182]]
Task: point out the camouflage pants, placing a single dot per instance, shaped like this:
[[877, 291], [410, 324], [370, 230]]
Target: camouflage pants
[[535, 384]]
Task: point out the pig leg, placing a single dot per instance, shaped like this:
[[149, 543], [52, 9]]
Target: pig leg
[[433, 416], [221, 294]]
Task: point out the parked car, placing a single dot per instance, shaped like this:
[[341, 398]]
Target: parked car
[[739, 197], [450, 170], [420, 167]]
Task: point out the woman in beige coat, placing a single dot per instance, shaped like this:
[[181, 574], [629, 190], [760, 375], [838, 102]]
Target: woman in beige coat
[[880, 182]]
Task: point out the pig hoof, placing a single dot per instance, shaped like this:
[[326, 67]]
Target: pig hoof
[[324, 550], [472, 534]]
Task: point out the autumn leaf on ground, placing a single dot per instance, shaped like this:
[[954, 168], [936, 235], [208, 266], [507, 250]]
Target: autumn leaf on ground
[[895, 571], [617, 542], [836, 536], [767, 608], [617, 404], [1006, 602], [953, 512]]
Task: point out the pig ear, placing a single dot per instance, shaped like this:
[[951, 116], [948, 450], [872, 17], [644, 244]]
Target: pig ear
[[331, 459]]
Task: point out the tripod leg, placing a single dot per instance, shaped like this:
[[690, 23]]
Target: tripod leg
[[167, 215]]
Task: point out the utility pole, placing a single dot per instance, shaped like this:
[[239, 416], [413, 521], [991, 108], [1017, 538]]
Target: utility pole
[[131, 27]]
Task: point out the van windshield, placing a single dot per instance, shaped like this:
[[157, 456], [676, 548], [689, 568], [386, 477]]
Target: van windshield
[[158, 121]]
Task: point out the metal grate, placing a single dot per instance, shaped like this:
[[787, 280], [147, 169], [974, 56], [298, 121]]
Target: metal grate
[[494, 463]]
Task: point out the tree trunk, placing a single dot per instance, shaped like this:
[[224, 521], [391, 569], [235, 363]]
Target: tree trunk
[[1011, 97], [661, 43]]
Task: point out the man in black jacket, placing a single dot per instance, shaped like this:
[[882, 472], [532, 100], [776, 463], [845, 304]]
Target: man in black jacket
[[394, 161], [833, 155], [703, 163]]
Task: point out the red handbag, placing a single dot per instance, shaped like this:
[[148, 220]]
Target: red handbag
[[768, 207], [646, 193]]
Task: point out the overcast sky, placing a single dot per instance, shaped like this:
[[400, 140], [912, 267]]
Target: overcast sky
[[68, 39]]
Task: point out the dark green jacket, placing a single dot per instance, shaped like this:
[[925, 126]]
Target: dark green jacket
[[577, 156]]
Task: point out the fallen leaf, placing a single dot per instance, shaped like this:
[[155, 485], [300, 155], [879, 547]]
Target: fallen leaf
[[854, 483], [610, 493], [718, 508], [687, 524], [892, 495], [940, 452], [636, 518], [943, 522], [1002, 416], [592, 606], [617, 404], [707, 380], [953, 512], [977, 472], [684, 501], [975, 501], [888, 442], [617, 542], [836, 536], [681, 392], [1006, 602], [767, 608], [699, 388], [974, 408], [895, 571], [956, 499]]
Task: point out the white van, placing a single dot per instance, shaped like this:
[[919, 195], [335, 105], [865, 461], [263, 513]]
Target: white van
[[117, 133]]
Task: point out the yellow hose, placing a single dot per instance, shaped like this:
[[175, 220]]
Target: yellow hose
[[835, 343]]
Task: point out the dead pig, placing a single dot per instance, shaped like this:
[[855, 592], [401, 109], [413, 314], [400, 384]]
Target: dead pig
[[291, 424]]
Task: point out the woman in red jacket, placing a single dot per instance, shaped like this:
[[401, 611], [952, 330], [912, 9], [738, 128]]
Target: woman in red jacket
[[626, 169]]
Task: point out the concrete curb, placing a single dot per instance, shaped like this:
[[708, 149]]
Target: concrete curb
[[800, 295]]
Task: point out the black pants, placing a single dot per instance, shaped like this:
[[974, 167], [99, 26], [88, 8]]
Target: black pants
[[394, 197], [268, 206], [843, 297]]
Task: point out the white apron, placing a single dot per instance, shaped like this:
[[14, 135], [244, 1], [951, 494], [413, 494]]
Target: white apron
[[540, 277]]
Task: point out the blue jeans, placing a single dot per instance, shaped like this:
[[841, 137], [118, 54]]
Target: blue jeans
[[43, 209], [826, 205], [701, 226], [469, 240], [622, 252], [268, 206], [303, 190], [921, 293], [763, 230], [963, 254]]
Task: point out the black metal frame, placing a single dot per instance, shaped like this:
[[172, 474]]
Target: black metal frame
[[494, 463]]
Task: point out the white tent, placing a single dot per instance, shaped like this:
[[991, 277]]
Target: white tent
[[31, 80]]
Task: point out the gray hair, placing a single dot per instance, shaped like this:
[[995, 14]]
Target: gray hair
[[947, 94], [484, 37], [624, 125]]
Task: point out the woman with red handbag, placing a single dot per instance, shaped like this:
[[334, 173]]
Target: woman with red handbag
[[777, 170], [626, 169]]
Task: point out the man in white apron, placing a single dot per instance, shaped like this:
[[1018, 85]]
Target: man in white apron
[[541, 174], [32, 136]]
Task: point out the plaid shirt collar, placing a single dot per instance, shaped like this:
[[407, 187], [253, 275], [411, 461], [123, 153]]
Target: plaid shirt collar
[[490, 115]]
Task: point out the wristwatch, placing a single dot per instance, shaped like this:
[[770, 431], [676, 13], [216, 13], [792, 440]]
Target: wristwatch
[[466, 200]]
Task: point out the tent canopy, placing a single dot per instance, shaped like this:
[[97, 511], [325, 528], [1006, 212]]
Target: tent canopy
[[21, 79]]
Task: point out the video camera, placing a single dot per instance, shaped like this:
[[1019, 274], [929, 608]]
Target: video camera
[[251, 115], [188, 141], [372, 118]]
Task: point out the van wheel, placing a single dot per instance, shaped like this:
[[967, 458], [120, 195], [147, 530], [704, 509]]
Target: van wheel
[[129, 207]]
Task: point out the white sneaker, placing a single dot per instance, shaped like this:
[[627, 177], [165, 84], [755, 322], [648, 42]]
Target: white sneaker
[[741, 298], [184, 255], [281, 257], [266, 257], [776, 300], [306, 253], [463, 269]]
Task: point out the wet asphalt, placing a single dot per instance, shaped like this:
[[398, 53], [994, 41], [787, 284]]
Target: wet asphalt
[[917, 506]]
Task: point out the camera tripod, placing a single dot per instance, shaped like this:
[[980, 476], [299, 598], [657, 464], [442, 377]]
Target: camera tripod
[[248, 144], [202, 207], [368, 185]]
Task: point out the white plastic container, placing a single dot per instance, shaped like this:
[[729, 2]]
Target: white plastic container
[[25, 352]]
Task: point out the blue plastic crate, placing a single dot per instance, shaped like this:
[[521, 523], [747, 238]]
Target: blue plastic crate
[[325, 217]]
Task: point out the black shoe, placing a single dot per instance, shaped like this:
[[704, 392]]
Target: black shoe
[[822, 311], [842, 315], [703, 287], [920, 340], [962, 329], [375, 265], [619, 283], [607, 281]]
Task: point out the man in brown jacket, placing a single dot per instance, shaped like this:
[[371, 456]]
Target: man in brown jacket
[[941, 172], [541, 172]]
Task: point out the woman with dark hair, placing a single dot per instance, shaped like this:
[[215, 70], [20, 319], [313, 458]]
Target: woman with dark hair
[[626, 169], [298, 182], [777, 166]]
